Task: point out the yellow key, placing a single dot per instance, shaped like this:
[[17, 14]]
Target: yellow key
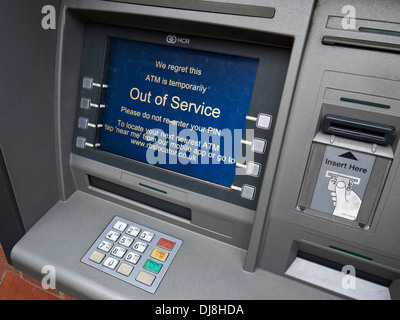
[[159, 254]]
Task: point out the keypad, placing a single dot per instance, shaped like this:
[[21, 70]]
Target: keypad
[[133, 253]]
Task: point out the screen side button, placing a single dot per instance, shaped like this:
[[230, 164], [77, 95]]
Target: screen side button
[[85, 103], [258, 145], [253, 169], [83, 123], [87, 83], [264, 121], [248, 192], [80, 142]]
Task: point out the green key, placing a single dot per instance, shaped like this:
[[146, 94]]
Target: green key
[[152, 266]]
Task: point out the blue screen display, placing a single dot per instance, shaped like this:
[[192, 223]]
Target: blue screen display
[[179, 109]]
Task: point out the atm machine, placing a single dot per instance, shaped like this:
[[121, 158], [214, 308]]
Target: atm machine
[[193, 149]]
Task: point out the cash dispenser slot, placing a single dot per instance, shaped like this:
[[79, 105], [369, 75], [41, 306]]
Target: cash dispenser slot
[[347, 273], [358, 129], [330, 263]]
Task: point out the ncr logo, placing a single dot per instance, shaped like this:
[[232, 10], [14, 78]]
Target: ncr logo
[[172, 39]]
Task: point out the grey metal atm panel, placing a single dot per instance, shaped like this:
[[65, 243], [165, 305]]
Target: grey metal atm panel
[[347, 79], [241, 252], [221, 230], [27, 115]]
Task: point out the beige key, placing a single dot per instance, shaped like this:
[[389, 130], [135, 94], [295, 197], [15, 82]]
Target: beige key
[[145, 278], [97, 256], [125, 269]]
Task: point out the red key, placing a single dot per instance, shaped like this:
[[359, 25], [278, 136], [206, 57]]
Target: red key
[[166, 244]]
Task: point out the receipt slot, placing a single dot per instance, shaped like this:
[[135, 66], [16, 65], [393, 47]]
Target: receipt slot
[[343, 184]]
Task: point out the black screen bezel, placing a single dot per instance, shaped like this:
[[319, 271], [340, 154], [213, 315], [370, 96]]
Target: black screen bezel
[[268, 87]]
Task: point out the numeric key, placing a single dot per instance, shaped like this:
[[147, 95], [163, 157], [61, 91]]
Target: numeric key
[[139, 246], [112, 235], [147, 236]]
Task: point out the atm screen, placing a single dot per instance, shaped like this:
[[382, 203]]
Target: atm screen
[[193, 112], [180, 109]]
